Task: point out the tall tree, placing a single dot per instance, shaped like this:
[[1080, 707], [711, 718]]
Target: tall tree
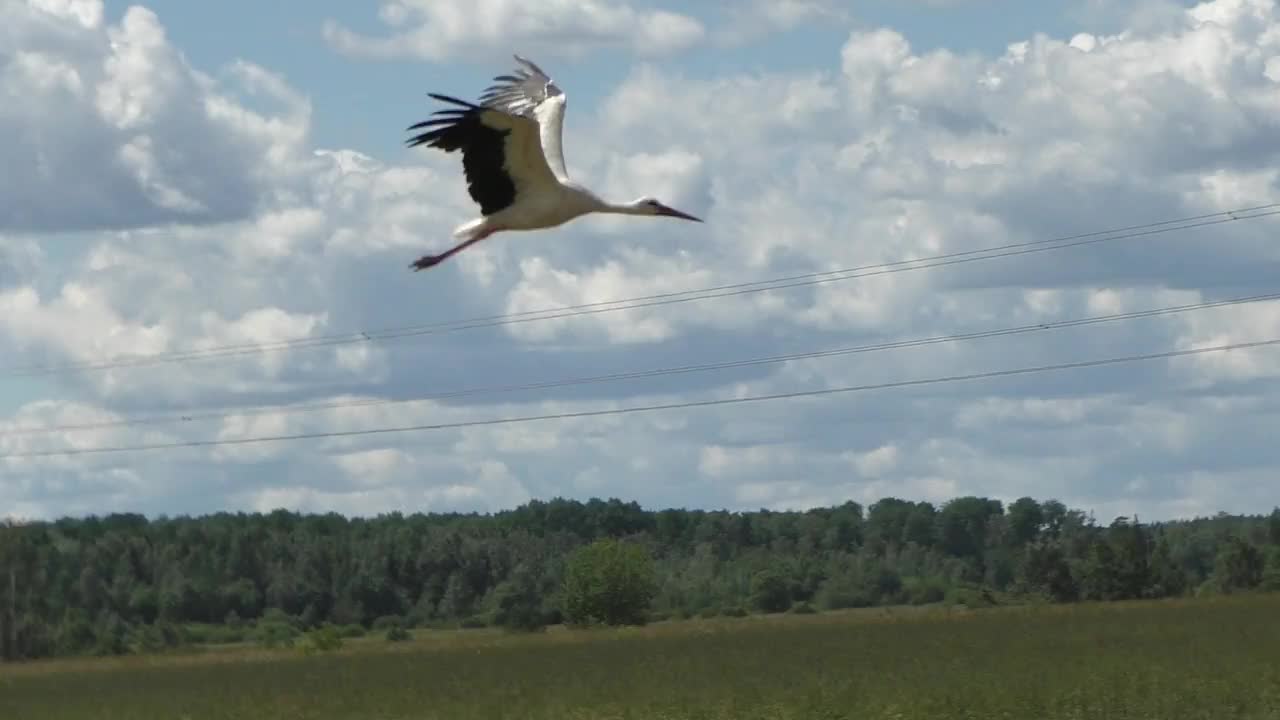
[[1132, 547], [1238, 565], [1026, 517]]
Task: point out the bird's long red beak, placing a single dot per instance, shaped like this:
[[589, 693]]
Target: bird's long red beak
[[672, 212]]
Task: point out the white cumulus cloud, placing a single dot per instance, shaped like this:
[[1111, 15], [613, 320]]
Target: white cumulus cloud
[[107, 126], [438, 29]]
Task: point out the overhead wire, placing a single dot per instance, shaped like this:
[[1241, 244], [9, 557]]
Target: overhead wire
[[668, 298], [640, 408], [277, 409]]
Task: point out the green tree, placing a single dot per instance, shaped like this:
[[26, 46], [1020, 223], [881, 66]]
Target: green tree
[[520, 602], [1238, 565], [1044, 570], [1167, 579], [1132, 547], [887, 519], [1026, 517], [610, 582], [110, 635], [770, 591], [1054, 516], [962, 525], [1100, 573], [1271, 569], [844, 527], [920, 525], [860, 581]]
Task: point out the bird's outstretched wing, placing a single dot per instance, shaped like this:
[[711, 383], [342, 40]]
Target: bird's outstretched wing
[[529, 92], [501, 152], [510, 141]]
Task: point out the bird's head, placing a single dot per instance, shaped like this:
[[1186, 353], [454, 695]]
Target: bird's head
[[649, 206]]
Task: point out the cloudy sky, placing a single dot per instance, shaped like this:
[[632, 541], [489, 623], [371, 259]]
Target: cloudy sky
[[207, 214]]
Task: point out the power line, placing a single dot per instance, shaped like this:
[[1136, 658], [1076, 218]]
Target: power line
[[645, 408], [637, 374], [736, 289]]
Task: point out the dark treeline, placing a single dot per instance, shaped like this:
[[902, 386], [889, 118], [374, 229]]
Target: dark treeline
[[122, 582]]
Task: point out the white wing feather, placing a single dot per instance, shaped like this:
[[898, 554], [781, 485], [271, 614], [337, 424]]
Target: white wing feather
[[526, 161], [530, 93]]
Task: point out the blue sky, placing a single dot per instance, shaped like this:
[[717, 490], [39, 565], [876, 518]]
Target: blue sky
[[276, 202]]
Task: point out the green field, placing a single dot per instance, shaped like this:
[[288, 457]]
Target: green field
[[1211, 659]]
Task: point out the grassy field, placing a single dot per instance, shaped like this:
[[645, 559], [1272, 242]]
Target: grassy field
[[1211, 659]]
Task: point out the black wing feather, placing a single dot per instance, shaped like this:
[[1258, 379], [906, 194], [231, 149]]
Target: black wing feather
[[483, 151]]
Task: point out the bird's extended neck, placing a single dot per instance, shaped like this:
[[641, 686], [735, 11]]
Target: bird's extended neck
[[597, 204], [622, 209]]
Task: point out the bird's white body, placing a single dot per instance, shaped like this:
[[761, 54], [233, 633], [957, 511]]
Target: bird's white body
[[542, 207], [514, 160]]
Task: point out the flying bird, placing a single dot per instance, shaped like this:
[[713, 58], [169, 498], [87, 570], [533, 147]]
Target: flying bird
[[513, 161]]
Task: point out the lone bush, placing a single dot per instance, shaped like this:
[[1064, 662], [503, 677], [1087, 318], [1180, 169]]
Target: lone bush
[[609, 582], [770, 591], [386, 622], [354, 630], [275, 634], [326, 638]]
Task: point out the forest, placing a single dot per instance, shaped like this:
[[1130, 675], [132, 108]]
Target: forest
[[123, 583]]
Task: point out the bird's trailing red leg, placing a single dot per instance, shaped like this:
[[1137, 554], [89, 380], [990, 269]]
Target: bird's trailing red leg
[[427, 261]]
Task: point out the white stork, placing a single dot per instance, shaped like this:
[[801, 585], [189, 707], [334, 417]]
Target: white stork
[[512, 157]]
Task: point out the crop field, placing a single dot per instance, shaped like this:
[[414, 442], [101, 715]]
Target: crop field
[[1211, 659]]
